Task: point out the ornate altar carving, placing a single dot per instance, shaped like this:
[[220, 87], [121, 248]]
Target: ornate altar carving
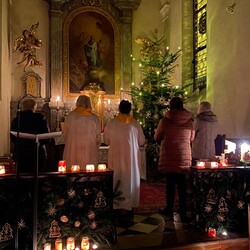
[[115, 15], [32, 84], [27, 45]]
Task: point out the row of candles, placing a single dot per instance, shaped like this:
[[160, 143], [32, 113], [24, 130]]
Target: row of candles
[[99, 103], [70, 244], [212, 164], [76, 168]]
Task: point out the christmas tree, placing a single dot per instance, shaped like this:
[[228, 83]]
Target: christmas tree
[[157, 86]]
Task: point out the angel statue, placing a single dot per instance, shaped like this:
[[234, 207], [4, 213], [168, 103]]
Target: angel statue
[[27, 45]]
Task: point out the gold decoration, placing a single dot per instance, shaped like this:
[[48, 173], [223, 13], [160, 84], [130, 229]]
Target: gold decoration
[[64, 218], [6, 233], [54, 231], [100, 200], [27, 45]]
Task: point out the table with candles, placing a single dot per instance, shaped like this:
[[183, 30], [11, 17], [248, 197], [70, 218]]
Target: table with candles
[[220, 195], [73, 207]]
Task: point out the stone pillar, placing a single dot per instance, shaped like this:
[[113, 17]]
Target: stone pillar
[[126, 8], [56, 23]]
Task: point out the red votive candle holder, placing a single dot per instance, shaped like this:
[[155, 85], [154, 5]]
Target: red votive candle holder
[[58, 244], [85, 243], [75, 168], [47, 246], [211, 232], [102, 167], [201, 164], [70, 244], [214, 164], [90, 167], [62, 166], [2, 170]]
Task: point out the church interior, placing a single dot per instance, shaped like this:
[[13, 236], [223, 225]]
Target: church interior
[[47, 54]]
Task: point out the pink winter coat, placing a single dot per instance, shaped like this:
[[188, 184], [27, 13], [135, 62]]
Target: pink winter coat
[[175, 133]]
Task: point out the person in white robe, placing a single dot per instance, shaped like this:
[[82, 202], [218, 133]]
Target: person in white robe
[[82, 135], [124, 136]]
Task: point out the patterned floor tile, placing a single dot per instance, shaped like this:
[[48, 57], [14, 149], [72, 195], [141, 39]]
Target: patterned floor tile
[[143, 228]]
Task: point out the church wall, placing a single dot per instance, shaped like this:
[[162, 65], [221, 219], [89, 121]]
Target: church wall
[[146, 19], [228, 61], [5, 81], [25, 13], [227, 64], [175, 30]]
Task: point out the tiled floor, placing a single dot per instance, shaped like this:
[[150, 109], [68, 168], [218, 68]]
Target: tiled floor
[[154, 231]]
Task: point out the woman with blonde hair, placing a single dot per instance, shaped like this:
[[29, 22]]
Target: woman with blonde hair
[[82, 134]]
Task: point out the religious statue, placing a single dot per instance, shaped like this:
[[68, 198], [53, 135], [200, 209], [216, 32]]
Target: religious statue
[[27, 45]]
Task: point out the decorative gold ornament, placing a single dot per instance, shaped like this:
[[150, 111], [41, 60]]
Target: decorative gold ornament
[[6, 232], [54, 231], [27, 45]]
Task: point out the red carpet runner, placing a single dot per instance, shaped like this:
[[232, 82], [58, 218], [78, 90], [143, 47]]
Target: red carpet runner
[[152, 197]]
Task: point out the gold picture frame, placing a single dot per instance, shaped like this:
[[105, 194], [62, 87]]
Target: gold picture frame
[[32, 84], [91, 50]]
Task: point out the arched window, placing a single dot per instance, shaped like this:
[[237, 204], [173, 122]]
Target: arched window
[[200, 44]]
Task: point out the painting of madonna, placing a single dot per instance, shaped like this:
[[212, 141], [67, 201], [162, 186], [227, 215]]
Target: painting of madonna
[[91, 52]]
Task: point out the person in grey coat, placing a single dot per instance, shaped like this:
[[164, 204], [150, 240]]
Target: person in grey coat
[[206, 130]]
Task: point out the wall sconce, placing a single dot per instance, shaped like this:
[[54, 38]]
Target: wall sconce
[[230, 8]]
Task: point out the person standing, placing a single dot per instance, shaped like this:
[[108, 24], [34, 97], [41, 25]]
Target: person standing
[[206, 130], [124, 136], [82, 135], [25, 150], [175, 133]]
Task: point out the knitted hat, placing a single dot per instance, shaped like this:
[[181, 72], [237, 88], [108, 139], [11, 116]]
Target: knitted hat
[[83, 101], [204, 107]]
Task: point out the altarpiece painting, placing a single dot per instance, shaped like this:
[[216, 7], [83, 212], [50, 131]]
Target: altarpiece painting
[[90, 52]]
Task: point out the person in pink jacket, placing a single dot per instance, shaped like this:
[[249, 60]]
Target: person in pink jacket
[[175, 134]]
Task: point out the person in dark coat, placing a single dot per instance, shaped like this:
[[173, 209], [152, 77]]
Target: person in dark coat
[[25, 150], [175, 133]]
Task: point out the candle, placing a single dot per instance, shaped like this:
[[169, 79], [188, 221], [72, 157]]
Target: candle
[[70, 243], [90, 167], [223, 163], [62, 169], [2, 169], [58, 244], [62, 166], [108, 104], [47, 246], [102, 167], [57, 102], [211, 232], [62, 163], [200, 164], [214, 164], [75, 168], [85, 243]]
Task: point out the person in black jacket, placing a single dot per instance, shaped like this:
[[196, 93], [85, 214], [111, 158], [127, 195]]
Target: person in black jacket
[[25, 150]]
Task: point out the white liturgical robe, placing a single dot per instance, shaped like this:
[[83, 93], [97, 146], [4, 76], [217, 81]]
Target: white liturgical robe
[[124, 159]]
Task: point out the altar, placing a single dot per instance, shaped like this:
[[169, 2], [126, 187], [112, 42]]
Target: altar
[[69, 205], [220, 198]]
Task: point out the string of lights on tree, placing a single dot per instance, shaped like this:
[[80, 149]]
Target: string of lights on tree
[[151, 96]]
